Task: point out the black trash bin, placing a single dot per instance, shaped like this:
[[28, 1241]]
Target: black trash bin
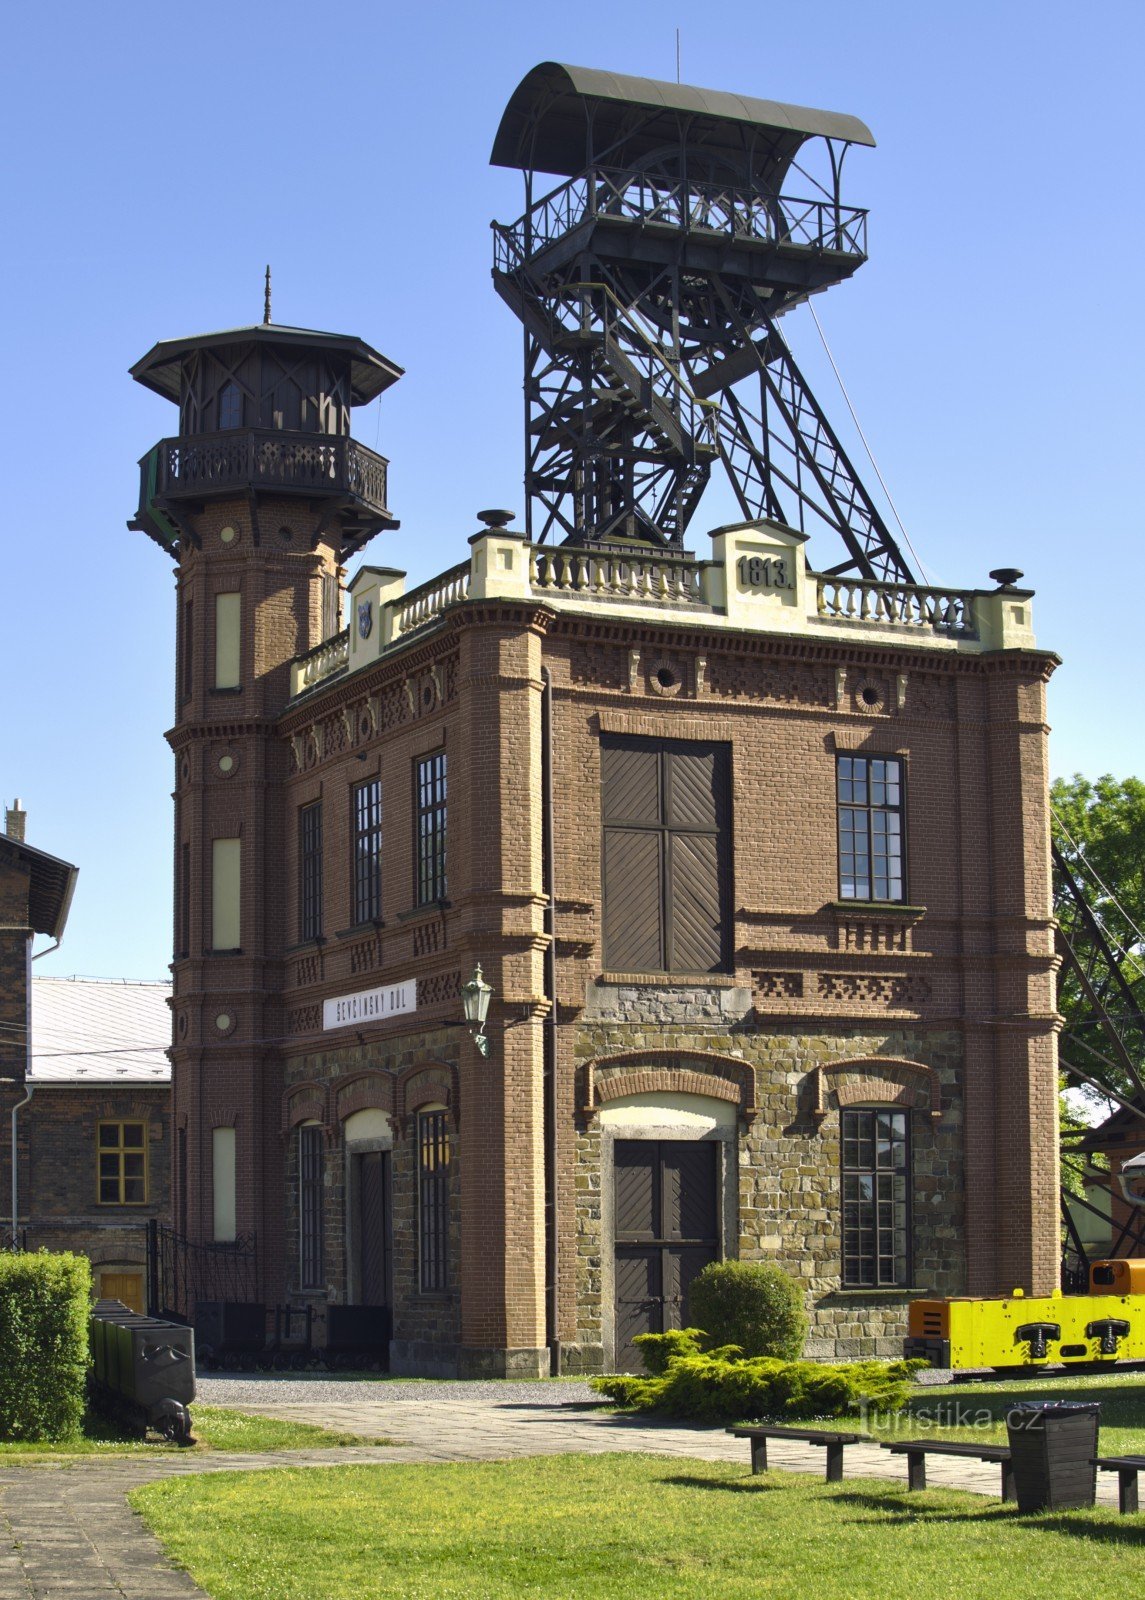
[[1052, 1446]]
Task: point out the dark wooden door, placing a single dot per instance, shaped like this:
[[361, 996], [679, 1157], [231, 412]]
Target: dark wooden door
[[375, 1229], [667, 1230]]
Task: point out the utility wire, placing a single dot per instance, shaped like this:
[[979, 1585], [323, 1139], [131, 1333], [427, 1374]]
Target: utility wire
[[866, 446], [1104, 887]]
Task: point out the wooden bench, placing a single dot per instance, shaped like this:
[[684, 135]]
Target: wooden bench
[[1126, 1468], [917, 1450], [834, 1443]]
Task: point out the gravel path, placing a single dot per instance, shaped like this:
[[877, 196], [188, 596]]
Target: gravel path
[[293, 1389]]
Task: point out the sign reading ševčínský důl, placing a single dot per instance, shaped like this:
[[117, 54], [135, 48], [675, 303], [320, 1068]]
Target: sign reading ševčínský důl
[[370, 1005]]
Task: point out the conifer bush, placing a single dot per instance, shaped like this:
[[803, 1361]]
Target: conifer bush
[[717, 1386], [691, 1376], [752, 1304], [45, 1302]]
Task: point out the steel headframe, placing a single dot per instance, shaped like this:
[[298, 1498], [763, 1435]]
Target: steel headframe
[[650, 285]]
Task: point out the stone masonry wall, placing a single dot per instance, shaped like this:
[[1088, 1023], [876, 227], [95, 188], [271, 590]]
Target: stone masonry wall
[[789, 1182]]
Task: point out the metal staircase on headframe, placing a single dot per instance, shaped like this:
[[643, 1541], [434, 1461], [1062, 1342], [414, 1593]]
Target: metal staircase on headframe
[[650, 284]]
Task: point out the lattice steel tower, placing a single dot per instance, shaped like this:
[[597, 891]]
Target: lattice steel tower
[[650, 284]]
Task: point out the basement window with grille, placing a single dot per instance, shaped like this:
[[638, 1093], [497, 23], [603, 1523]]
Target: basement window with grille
[[667, 855], [310, 1178], [876, 1199], [433, 1156]]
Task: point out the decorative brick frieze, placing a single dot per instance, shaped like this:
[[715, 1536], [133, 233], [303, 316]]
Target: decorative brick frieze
[[894, 989], [778, 985], [308, 970], [428, 939], [364, 956], [439, 989]]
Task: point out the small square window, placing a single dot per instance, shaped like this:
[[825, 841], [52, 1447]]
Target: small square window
[[121, 1168]]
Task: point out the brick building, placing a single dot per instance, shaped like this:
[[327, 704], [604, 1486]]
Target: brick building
[[84, 1081], [754, 858], [97, 1131]]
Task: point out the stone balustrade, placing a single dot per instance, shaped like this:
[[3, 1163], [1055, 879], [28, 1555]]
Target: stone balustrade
[[326, 660], [607, 575], [425, 604], [757, 582], [858, 600]]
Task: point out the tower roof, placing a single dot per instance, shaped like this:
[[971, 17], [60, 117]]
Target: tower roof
[[545, 123], [370, 371]]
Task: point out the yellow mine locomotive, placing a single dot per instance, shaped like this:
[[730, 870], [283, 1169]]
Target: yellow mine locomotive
[[1101, 1327]]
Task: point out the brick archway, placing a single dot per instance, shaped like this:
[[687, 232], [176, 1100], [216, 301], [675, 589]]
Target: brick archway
[[699, 1072], [876, 1080]]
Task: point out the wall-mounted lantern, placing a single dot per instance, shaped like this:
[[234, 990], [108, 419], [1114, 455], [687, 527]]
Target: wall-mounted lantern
[[475, 997]]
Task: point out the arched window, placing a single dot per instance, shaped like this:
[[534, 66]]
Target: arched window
[[230, 405]]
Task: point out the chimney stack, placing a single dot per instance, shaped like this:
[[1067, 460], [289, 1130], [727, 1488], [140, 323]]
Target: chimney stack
[[15, 818]]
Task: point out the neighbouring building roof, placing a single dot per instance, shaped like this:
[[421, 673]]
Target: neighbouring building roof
[[51, 886], [100, 1030]]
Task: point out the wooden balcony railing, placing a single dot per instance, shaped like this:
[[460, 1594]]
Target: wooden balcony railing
[[265, 458]]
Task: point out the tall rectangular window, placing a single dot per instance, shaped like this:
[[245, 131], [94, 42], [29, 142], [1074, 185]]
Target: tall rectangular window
[[331, 605], [185, 900], [228, 619], [223, 1184], [181, 1179], [666, 855], [226, 894], [870, 802], [433, 1199], [367, 861], [876, 1200], [122, 1162], [310, 1173], [431, 797], [310, 871], [186, 650]]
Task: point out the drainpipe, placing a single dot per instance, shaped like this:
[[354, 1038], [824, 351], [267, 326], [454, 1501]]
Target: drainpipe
[[29, 1086], [549, 1037], [19, 1106]]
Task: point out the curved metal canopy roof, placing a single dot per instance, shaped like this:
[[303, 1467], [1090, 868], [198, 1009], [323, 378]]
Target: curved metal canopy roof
[[370, 372], [545, 125]]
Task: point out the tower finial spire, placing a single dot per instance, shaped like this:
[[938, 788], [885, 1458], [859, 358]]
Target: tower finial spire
[[266, 296]]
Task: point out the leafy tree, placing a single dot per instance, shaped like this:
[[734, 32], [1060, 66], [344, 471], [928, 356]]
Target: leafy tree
[[1099, 831]]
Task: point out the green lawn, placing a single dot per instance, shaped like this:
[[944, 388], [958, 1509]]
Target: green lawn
[[214, 1429], [599, 1527], [978, 1410]]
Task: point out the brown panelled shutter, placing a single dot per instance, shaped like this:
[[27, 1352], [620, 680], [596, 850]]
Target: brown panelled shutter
[[667, 877], [633, 935]]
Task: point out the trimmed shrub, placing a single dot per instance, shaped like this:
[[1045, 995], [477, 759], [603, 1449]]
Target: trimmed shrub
[[45, 1302], [713, 1387], [656, 1348], [751, 1304]]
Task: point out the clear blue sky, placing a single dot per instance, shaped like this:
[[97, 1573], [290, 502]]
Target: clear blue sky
[[160, 155]]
